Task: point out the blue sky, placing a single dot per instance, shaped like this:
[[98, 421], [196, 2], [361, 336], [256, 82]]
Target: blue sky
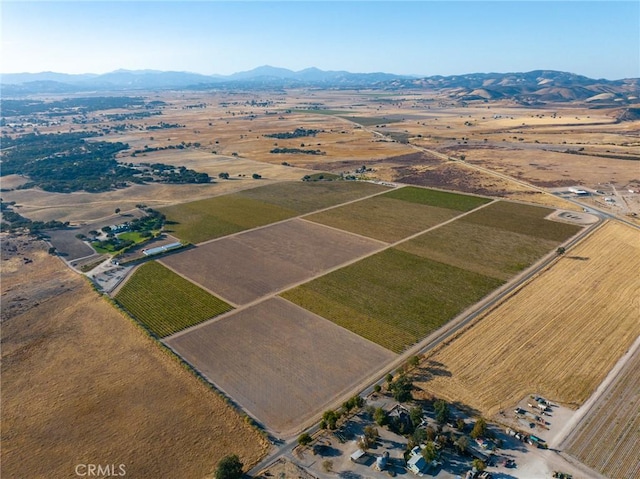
[[600, 39]]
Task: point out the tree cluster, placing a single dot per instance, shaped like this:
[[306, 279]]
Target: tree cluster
[[297, 151], [297, 133], [401, 388]]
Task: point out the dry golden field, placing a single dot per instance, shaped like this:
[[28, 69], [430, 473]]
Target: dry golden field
[[81, 384], [608, 439], [557, 336], [526, 143]]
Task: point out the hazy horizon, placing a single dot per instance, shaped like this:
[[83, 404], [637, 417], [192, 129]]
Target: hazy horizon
[[597, 39]]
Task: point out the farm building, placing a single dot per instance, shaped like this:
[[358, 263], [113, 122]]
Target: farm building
[[357, 456], [161, 249], [579, 192], [416, 462]]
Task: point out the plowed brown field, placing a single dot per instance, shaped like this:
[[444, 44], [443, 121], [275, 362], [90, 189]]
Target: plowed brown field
[[557, 336]]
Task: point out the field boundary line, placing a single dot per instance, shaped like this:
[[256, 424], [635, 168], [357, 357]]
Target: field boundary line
[[237, 233], [478, 311], [217, 295], [582, 413], [311, 278]]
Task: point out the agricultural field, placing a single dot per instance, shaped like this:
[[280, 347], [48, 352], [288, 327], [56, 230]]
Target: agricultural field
[[307, 196], [485, 250], [203, 220], [386, 299], [398, 213], [382, 218], [523, 219], [164, 302], [557, 336], [219, 216], [609, 438], [440, 199], [250, 265], [82, 384], [283, 364]]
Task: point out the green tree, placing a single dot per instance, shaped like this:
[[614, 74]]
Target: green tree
[[479, 429], [429, 452], [560, 251], [330, 418], [415, 413], [419, 436], [479, 465], [256, 176], [401, 388], [442, 411], [304, 439], [460, 424], [380, 416], [377, 388], [118, 210], [414, 361], [229, 467], [462, 444]]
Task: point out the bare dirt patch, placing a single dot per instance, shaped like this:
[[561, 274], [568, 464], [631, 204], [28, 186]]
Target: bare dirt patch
[[282, 363], [250, 265], [81, 384]]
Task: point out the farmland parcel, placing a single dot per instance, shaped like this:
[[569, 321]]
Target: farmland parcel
[[250, 265], [166, 303], [609, 439], [558, 336], [399, 213], [393, 298], [281, 363], [203, 220], [399, 296]]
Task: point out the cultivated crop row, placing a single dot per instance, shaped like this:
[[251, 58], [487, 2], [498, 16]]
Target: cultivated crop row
[[203, 220], [609, 439], [558, 336], [305, 197], [523, 219], [166, 303], [441, 199], [483, 249], [393, 298]]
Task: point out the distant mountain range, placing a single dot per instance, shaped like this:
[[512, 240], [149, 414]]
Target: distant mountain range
[[530, 87]]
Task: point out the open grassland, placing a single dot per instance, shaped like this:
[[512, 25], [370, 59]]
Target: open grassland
[[557, 336], [203, 220], [441, 199], [393, 298], [523, 219], [609, 438], [81, 384], [483, 249], [283, 364], [307, 196], [250, 265], [164, 302], [385, 219]]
